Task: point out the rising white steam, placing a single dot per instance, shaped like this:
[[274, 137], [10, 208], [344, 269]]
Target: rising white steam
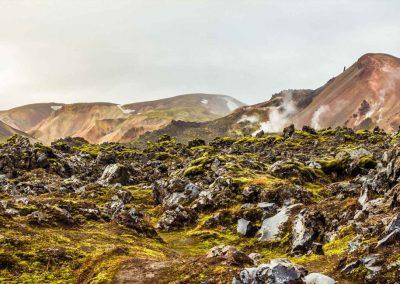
[[249, 118], [279, 117], [315, 120]]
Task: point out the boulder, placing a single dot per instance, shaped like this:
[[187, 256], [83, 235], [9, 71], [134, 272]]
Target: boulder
[[278, 271], [309, 129], [190, 192], [229, 255], [177, 218], [269, 209], [113, 174], [135, 220], [318, 278], [255, 257], [288, 131], [245, 228], [394, 224], [37, 218], [307, 227], [389, 239], [271, 227]]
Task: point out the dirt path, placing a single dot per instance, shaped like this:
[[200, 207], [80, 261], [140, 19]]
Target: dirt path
[[144, 271]]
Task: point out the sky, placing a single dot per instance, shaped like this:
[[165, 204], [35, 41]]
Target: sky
[[129, 51]]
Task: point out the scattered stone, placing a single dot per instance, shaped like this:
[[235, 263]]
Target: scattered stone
[[307, 227], [245, 228], [256, 257], [318, 278], [389, 239], [230, 255], [288, 131], [176, 219], [113, 174], [278, 271], [271, 227]]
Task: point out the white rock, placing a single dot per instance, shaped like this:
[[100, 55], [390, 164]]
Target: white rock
[[318, 278]]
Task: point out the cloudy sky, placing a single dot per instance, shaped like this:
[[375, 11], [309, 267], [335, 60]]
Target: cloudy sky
[[127, 51]]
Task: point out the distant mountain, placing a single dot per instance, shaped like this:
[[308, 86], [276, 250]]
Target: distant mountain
[[26, 117], [7, 131], [364, 96], [108, 122], [271, 116]]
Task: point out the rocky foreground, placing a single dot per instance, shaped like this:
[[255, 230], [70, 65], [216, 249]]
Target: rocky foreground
[[297, 207]]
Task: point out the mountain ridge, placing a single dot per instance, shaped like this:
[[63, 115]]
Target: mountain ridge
[[365, 95], [110, 122]]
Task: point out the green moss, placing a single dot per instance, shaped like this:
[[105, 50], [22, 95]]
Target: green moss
[[162, 156], [367, 162], [194, 170], [340, 244], [317, 190], [332, 165], [91, 149]]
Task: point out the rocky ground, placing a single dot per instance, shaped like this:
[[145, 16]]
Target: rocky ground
[[297, 207]]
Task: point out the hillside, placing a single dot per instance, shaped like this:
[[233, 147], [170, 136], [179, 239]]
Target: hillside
[[269, 116], [364, 96], [107, 122], [26, 117], [7, 131]]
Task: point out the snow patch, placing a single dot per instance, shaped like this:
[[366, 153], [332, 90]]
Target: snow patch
[[315, 120], [56, 107], [249, 118], [126, 111], [204, 102]]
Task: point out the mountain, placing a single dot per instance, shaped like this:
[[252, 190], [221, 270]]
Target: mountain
[[269, 116], [364, 96], [108, 122], [7, 131], [28, 116]]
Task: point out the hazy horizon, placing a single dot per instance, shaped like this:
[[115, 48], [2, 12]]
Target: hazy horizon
[[130, 51]]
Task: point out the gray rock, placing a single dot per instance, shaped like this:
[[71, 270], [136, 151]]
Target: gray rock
[[113, 174], [318, 278], [389, 239], [271, 227], [190, 192], [245, 228], [278, 271], [177, 218], [371, 262], [42, 161], [11, 212], [307, 226], [394, 224], [358, 153], [255, 257], [229, 255], [37, 218], [268, 209], [351, 266], [288, 131]]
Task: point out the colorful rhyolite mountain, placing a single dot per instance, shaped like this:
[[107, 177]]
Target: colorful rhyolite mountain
[[364, 96], [108, 122]]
